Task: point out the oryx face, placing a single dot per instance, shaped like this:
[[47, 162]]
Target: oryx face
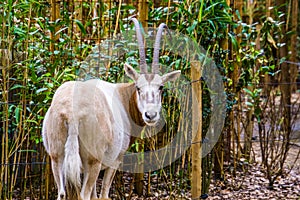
[[149, 92], [149, 89], [149, 86]]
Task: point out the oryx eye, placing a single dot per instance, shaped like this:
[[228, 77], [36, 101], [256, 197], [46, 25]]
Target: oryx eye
[[138, 89], [161, 87]]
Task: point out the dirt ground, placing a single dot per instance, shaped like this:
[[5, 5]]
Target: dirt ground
[[251, 183]]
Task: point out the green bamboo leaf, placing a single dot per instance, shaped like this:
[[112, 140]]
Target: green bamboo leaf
[[16, 86], [271, 40], [34, 32], [41, 90], [32, 121], [249, 104], [238, 14], [27, 150], [209, 8], [191, 28], [233, 41], [80, 25], [19, 31], [136, 146], [248, 91], [212, 24], [17, 114], [60, 30]]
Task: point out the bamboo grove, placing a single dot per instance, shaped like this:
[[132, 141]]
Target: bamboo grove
[[254, 44]]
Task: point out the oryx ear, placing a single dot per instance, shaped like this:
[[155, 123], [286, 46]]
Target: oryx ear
[[172, 76], [130, 72]]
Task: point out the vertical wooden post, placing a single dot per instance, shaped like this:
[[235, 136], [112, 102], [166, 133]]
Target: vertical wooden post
[[139, 177], [143, 17], [196, 178]]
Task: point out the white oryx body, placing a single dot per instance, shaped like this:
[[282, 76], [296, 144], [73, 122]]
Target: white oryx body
[[83, 111], [88, 125]]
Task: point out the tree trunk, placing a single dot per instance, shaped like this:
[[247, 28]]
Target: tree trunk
[[294, 42], [249, 113], [227, 134], [285, 77]]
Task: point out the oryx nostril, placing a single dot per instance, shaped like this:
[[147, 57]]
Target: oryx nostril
[[150, 115]]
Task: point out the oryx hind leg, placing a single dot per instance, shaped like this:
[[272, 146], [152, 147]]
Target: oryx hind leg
[[94, 192], [91, 171], [106, 183], [57, 163]]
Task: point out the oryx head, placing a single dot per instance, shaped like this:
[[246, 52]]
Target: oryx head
[[149, 86]]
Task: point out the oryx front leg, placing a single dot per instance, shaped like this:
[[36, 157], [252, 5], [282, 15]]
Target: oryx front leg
[[91, 171]]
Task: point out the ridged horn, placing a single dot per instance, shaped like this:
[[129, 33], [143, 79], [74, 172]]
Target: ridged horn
[[155, 62], [143, 64]]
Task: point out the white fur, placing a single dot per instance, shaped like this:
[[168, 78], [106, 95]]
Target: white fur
[[88, 126]]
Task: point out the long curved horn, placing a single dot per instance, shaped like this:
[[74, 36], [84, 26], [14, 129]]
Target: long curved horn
[[143, 64], [155, 62]]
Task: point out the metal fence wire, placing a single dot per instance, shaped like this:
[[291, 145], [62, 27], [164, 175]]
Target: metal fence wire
[[61, 33]]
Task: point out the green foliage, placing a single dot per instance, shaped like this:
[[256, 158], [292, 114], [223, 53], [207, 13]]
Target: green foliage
[[258, 63], [213, 18], [47, 53]]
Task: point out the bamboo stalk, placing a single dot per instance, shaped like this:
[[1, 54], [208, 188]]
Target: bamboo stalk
[[6, 63], [5, 142], [117, 19], [143, 12], [95, 16], [114, 35], [167, 18], [78, 9], [6, 153], [53, 17], [267, 77], [268, 6]]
